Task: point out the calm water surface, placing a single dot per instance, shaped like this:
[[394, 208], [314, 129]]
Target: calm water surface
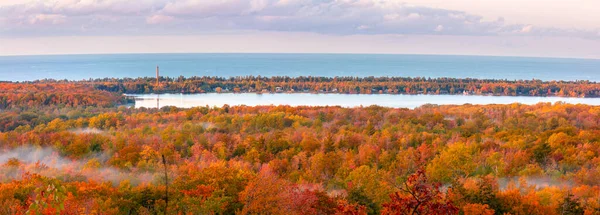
[[344, 100], [77, 67]]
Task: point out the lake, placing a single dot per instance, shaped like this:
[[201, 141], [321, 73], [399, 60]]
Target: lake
[[78, 67], [344, 100]]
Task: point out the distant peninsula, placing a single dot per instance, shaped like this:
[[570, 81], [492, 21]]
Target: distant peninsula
[[343, 85]]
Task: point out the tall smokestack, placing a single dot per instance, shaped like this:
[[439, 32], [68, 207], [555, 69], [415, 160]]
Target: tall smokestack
[[157, 75]]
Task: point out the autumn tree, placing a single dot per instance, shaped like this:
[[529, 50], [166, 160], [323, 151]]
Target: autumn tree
[[419, 196], [265, 194]]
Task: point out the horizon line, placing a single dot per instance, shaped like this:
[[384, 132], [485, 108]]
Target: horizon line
[[308, 53]]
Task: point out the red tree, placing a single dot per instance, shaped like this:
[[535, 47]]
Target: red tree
[[418, 196]]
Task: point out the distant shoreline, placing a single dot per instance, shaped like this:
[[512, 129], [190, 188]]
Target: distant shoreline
[[337, 85], [350, 85]]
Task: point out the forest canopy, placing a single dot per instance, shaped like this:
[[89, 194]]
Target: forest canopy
[[71, 148]]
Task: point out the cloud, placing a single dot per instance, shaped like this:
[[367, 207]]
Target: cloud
[[220, 8], [329, 17], [51, 19], [363, 27], [335, 17], [526, 29], [159, 19]]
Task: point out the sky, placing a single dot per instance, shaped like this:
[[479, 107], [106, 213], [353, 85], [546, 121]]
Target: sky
[[540, 28]]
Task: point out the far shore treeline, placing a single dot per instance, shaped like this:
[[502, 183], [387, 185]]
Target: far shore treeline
[[352, 85], [346, 85]]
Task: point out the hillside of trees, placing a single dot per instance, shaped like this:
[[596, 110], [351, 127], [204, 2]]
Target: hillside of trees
[[78, 155], [73, 148], [63, 94]]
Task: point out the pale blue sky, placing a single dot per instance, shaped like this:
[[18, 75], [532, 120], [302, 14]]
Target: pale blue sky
[[555, 28]]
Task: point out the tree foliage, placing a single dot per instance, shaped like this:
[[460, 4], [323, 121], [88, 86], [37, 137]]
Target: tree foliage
[[470, 159]]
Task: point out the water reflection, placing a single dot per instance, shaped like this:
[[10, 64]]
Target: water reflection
[[344, 100]]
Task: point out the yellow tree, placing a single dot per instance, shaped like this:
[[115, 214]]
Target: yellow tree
[[455, 161]]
